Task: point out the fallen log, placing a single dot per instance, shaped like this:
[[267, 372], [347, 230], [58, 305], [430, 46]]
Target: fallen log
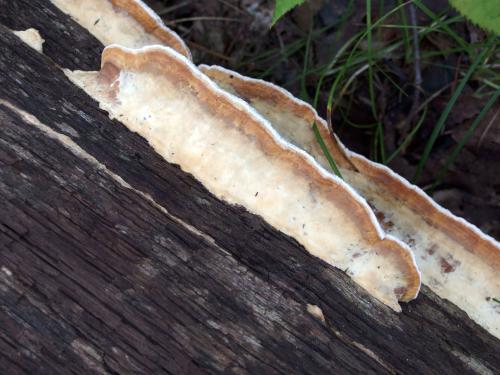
[[457, 260], [112, 260]]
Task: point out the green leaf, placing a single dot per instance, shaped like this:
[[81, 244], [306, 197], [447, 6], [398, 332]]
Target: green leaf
[[284, 6], [485, 13]]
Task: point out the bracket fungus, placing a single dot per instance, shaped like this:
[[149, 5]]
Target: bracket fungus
[[457, 260], [261, 152], [237, 155], [130, 23]]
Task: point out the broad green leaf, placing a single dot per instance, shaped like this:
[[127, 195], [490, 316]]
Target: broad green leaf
[[284, 6], [485, 13]]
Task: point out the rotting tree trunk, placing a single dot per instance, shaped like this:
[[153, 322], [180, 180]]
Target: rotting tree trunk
[[114, 261]]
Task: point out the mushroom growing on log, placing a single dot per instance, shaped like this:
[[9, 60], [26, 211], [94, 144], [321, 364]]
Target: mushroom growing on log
[[113, 260], [457, 260], [235, 153], [130, 23]]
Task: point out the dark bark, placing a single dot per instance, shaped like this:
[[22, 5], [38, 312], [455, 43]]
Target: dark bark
[[96, 278], [66, 42]]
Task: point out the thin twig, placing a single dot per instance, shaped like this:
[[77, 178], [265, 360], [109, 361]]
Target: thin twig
[[169, 9], [492, 121], [236, 8], [208, 51]]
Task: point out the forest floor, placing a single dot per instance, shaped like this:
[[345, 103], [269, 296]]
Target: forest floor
[[373, 78]]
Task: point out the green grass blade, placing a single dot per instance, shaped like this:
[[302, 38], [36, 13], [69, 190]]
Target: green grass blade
[[435, 17], [347, 64], [356, 38], [453, 156], [381, 142], [327, 154], [286, 55], [408, 138], [371, 87], [303, 90], [442, 119]]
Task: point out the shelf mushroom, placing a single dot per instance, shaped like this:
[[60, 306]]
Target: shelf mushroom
[[237, 155], [130, 23], [457, 260]]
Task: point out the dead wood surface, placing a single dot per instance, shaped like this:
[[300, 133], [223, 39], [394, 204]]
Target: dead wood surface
[[96, 277]]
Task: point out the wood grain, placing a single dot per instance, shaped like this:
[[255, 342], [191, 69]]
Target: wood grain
[[95, 278]]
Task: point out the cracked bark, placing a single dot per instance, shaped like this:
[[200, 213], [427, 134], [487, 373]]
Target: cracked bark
[[94, 278]]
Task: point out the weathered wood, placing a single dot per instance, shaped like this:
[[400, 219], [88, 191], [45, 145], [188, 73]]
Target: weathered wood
[[96, 278], [66, 43], [81, 252]]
